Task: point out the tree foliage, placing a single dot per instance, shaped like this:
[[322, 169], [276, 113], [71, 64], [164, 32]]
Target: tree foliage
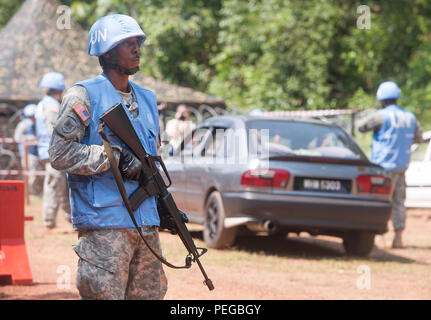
[[280, 54]]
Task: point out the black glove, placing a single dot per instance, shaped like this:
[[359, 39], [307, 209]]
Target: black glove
[[130, 166], [167, 222]]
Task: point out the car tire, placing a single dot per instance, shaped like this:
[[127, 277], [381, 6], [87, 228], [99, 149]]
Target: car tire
[[358, 243], [215, 234]]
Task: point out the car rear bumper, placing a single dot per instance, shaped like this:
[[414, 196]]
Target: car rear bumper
[[307, 210]]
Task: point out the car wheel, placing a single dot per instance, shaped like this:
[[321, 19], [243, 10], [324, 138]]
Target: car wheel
[[215, 234], [358, 243]]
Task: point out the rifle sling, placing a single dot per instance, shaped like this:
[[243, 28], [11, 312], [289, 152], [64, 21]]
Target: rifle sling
[[120, 184]]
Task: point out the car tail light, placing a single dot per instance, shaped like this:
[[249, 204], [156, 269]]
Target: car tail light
[[374, 184], [265, 178]]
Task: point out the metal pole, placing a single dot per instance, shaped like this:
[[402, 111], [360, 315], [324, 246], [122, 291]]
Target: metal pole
[[26, 188]]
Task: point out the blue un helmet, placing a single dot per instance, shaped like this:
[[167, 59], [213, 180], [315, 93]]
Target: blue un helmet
[[29, 110], [53, 80], [388, 90], [108, 31]]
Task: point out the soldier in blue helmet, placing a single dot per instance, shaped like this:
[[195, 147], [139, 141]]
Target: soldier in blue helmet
[[114, 262], [26, 130], [55, 192], [395, 130]]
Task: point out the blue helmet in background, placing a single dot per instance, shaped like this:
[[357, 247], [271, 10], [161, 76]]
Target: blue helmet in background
[[108, 31], [53, 80], [29, 110], [388, 90]]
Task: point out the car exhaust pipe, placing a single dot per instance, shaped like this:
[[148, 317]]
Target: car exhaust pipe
[[270, 226], [262, 226]]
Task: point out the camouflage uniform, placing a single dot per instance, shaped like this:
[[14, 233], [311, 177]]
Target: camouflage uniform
[[398, 198], [55, 196], [35, 182], [55, 191], [374, 122], [114, 263]]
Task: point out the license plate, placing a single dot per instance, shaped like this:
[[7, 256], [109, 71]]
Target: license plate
[[323, 185]]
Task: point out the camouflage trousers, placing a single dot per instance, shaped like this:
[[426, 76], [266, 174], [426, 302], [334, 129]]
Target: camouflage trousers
[[398, 198], [115, 264], [35, 183], [55, 196]]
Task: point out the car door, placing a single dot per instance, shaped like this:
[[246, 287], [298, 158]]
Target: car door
[[192, 161], [177, 174], [201, 171], [418, 177]]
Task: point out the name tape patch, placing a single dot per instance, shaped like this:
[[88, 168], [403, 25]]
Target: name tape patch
[[81, 111]]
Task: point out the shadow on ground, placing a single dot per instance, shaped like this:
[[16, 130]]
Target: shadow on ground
[[55, 295], [306, 248]]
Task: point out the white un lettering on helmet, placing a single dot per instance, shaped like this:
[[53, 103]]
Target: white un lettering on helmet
[[97, 35]]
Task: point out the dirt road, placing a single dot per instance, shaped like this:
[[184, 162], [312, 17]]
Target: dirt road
[[255, 268]]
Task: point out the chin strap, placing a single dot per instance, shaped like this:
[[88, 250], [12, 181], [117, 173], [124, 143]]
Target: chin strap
[[123, 70], [112, 63]]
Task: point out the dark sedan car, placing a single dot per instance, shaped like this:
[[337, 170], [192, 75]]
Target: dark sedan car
[[237, 173]]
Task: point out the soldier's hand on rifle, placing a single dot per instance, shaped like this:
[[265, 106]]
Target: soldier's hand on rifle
[[129, 165], [167, 222]]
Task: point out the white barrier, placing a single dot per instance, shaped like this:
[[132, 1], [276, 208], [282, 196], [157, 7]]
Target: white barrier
[[22, 173]]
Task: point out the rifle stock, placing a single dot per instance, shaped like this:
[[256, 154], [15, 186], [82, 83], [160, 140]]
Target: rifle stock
[[118, 121]]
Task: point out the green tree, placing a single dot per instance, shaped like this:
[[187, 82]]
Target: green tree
[[8, 9], [280, 54]]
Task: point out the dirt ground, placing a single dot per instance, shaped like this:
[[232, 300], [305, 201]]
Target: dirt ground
[[256, 268]]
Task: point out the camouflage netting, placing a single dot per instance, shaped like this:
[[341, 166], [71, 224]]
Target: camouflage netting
[[35, 42]]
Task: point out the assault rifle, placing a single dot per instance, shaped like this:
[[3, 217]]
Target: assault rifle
[[151, 184]]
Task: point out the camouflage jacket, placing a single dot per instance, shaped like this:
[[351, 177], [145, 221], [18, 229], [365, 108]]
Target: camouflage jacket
[[65, 151]]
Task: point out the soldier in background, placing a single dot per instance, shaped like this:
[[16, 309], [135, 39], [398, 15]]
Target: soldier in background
[[26, 130], [55, 191], [395, 130]]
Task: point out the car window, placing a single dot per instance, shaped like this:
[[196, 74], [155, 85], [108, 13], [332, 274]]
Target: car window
[[293, 138], [214, 142], [192, 143]]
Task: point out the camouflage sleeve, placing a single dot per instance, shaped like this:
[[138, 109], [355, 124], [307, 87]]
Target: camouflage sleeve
[[418, 132], [66, 152], [50, 114], [19, 130], [373, 122]]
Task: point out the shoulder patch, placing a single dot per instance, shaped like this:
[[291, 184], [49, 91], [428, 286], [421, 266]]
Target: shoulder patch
[[81, 111]]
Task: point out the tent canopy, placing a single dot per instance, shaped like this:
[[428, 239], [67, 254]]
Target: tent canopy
[[35, 42]]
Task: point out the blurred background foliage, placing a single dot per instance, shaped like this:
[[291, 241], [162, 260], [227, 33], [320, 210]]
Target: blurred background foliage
[[279, 54]]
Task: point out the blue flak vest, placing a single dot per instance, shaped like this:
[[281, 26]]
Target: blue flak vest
[[42, 131], [30, 131], [391, 144], [95, 200]]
